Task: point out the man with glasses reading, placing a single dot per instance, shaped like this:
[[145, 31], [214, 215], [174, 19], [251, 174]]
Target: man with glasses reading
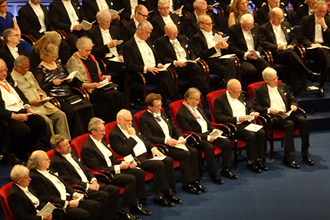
[[262, 15], [277, 36], [231, 107], [276, 99]]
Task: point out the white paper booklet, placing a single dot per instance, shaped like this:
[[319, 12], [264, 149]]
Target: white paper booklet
[[253, 127], [181, 146], [158, 158], [165, 67], [255, 55], [86, 24], [193, 61], [47, 209], [227, 56], [129, 158], [217, 38], [71, 75], [114, 12], [216, 134]]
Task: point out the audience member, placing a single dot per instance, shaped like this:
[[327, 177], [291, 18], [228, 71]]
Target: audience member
[[96, 154], [239, 8], [262, 15], [26, 82], [307, 8], [275, 99], [230, 107]]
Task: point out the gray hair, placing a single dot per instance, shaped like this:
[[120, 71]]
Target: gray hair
[[169, 25], [321, 2], [143, 24], [20, 60], [84, 42], [160, 2], [103, 14], [34, 161], [247, 19], [55, 140], [268, 72], [232, 83], [191, 93], [199, 3], [7, 33], [94, 123], [201, 18], [121, 113], [18, 172]]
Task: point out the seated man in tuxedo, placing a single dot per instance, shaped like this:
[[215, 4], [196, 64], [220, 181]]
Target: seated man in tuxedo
[[158, 129], [12, 49], [25, 127], [67, 15], [49, 187], [191, 118], [190, 24], [22, 201], [33, 19], [91, 7], [210, 51], [72, 171], [275, 98], [141, 56], [129, 29], [244, 38], [96, 155], [314, 32], [129, 7], [126, 140], [105, 38], [174, 48], [262, 15], [276, 36], [29, 86], [231, 107], [164, 17], [307, 8]]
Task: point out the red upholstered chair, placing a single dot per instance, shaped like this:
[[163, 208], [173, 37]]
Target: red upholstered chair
[[238, 144], [50, 153], [273, 134], [3, 198]]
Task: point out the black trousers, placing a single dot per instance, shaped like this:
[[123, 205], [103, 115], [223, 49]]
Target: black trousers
[[289, 125], [224, 67], [86, 210], [252, 70], [108, 197], [189, 163], [134, 185], [322, 57]]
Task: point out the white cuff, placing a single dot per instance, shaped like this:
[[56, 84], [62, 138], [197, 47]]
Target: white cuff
[[117, 169], [208, 137], [145, 69]]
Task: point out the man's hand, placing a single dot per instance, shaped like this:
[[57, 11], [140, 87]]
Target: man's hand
[[131, 131], [114, 17], [180, 63], [315, 45], [57, 82], [30, 110], [124, 165], [94, 185], [78, 195], [47, 216], [106, 77], [156, 153], [112, 43], [273, 111], [212, 139], [242, 118], [172, 142], [121, 58], [78, 27], [280, 47], [321, 21], [74, 203], [37, 102], [250, 56], [290, 47], [132, 165], [255, 114], [95, 85], [20, 117], [293, 108], [153, 70], [182, 140], [223, 44]]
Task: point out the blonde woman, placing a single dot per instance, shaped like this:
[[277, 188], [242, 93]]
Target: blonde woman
[[239, 8]]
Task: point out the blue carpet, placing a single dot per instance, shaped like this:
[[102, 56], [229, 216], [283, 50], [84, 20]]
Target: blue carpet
[[279, 194]]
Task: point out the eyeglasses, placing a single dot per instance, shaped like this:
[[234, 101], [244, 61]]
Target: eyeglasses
[[208, 24], [4, 70], [25, 68], [145, 16], [16, 35], [158, 106], [164, 8]]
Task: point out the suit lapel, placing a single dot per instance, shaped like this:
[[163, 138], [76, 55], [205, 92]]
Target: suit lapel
[[31, 12], [255, 37], [272, 33], [285, 32]]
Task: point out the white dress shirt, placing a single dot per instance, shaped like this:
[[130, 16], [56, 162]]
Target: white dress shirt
[[179, 50], [210, 43], [74, 19], [106, 37], [33, 199], [249, 42], [40, 14], [318, 33], [76, 166], [139, 147], [167, 19], [163, 125], [134, 3], [276, 101], [57, 183], [12, 100], [13, 51], [146, 53], [102, 5], [279, 35], [237, 107]]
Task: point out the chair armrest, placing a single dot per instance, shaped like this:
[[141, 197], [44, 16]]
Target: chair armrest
[[174, 75], [102, 64], [29, 37], [223, 127], [302, 111], [56, 103], [82, 92], [162, 148], [269, 57], [238, 68], [206, 70], [302, 51], [63, 34]]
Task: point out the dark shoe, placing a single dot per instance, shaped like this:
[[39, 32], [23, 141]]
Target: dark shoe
[[162, 201], [216, 179], [321, 92], [308, 160], [173, 198], [253, 167], [228, 173], [199, 187], [191, 189], [261, 166], [290, 163], [138, 209], [128, 216]]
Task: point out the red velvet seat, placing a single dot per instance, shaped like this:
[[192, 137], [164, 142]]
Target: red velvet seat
[[3, 198]]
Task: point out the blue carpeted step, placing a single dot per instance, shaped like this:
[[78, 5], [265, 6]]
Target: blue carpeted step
[[319, 121]]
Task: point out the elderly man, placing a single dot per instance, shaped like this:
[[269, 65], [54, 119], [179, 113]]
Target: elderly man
[[12, 49], [191, 118], [96, 155], [140, 14], [262, 14], [25, 127], [157, 128], [105, 38], [190, 22], [164, 17], [231, 107], [125, 140], [174, 48], [314, 32], [210, 51], [72, 171], [244, 42], [275, 99], [49, 187], [276, 35], [22, 201], [141, 56], [304, 9], [38, 98]]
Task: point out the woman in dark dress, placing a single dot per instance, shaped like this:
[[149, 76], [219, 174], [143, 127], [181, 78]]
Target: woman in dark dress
[[51, 77], [106, 101]]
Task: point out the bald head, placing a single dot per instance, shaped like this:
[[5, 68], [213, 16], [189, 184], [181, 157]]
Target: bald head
[[276, 16], [234, 88], [171, 31], [124, 119], [38, 160]]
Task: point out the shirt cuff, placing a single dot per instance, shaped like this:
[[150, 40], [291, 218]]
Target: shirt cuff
[[325, 28], [145, 69], [268, 110], [71, 27], [237, 120], [165, 140], [208, 137], [93, 179], [66, 204], [245, 56], [174, 62], [153, 148], [117, 169], [87, 187]]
